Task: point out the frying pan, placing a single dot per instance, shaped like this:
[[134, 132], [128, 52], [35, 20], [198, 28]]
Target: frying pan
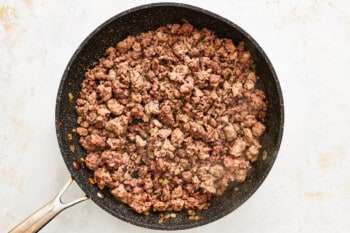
[[132, 22]]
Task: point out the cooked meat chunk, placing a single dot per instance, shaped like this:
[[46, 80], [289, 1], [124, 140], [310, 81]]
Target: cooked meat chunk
[[160, 206], [238, 147], [177, 137], [169, 118], [137, 111], [82, 131], [214, 80], [230, 132], [258, 129], [116, 143], [92, 161], [166, 116], [118, 125], [93, 142], [140, 142], [152, 108], [104, 92], [177, 204], [102, 177], [164, 133], [115, 107], [137, 82], [252, 153], [125, 45], [186, 88], [120, 193], [217, 170]]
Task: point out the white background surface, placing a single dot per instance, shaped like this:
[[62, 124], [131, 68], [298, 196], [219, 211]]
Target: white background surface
[[308, 189]]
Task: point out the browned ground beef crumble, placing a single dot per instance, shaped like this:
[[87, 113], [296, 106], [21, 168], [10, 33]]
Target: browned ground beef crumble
[[170, 117]]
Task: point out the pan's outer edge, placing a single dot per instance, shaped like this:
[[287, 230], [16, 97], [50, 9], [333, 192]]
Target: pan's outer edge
[[178, 5]]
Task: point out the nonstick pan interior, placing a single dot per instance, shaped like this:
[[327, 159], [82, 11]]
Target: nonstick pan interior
[[133, 22]]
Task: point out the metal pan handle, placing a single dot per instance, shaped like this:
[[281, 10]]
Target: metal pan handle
[[45, 214]]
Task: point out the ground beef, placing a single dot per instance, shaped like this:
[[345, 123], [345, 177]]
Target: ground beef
[[171, 117]]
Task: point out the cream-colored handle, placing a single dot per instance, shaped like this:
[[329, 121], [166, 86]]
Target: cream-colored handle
[[46, 213]]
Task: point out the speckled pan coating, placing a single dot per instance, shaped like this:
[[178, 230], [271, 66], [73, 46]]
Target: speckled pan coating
[[133, 22]]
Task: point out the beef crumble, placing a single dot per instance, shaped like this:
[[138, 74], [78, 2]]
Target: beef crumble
[[170, 117]]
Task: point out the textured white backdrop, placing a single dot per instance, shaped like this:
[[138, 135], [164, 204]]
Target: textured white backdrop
[[308, 189]]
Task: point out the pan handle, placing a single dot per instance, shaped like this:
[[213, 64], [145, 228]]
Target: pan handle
[[45, 214]]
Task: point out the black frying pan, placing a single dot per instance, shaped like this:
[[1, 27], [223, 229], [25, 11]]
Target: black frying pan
[[133, 22]]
